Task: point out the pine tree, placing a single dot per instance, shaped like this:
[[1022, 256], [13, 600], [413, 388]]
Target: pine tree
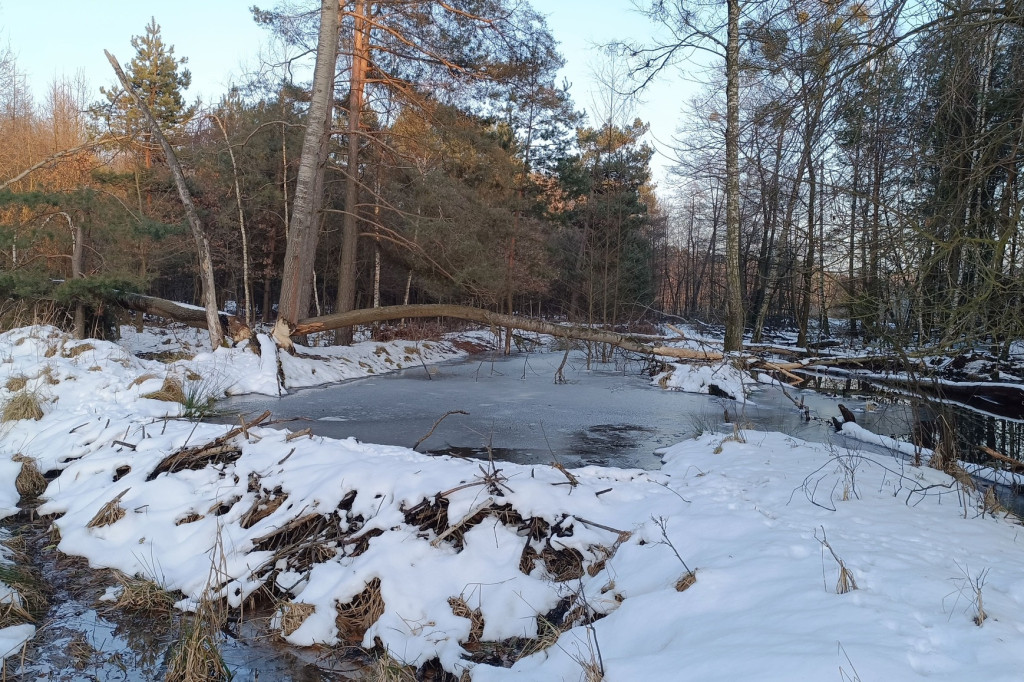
[[156, 73]]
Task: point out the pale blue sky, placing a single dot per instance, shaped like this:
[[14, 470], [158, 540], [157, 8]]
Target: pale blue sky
[[60, 37]]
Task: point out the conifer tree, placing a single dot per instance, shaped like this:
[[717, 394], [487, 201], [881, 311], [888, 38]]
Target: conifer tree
[[161, 79]]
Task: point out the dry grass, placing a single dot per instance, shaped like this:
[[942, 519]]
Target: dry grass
[[293, 615], [30, 598], [30, 482], [686, 581], [75, 351], [196, 657], [474, 616], [563, 564], [110, 513], [387, 669], [357, 615], [171, 391], [142, 378], [22, 405], [262, 507], [191, 517], [16, 383], [143, 596]]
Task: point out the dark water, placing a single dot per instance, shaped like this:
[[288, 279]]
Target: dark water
[[79, 638]]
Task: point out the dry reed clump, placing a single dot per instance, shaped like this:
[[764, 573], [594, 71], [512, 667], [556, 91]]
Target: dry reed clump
[[262, 507], [293, 615], [22, 405], [110, 513], [476, 621], [16, 383], [196, 657], [47, 374], [75, 351], [562, 564], [29, 591], [357, 615], [171, 391], [142, 378], [30, 482], [143, 596], [387, 669]]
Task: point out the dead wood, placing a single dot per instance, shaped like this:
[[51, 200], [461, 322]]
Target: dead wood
[[441, 419], [1013, 465], [192, 316], [217, 450], [283, 331]]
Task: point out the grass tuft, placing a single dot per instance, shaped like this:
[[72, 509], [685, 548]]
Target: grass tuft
[[196, 657], [16, 383], [75, 351], [357, 615], [171, 391], [30, 482], [110, 513], [293, 615], [143, 596], [22, 405], [385, 668]]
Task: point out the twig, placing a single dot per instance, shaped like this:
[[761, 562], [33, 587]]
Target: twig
[[441, 419], [488, 503], [298, 434]]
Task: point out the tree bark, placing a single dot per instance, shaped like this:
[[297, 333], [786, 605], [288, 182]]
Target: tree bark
[[734, 295], [194, 223], [350, 225], [304, 231]]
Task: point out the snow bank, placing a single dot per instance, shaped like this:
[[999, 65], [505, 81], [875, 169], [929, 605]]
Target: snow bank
[[699, 378], [438, 554]]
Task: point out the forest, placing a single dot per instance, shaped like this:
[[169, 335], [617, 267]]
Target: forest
[[845, 164]]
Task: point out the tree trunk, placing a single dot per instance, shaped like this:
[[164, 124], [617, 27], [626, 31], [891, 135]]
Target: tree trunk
[[304, 231], [228, 325], [196, 226], [734, 295], [283, 331], [350, 225]]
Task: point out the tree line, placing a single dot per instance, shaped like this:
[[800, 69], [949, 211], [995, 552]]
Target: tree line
[[844, 161]]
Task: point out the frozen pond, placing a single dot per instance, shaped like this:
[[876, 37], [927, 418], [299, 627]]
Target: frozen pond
[[609, 414]]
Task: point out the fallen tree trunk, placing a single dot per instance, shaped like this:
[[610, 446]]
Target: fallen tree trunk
[[192, 316], [283, 331]]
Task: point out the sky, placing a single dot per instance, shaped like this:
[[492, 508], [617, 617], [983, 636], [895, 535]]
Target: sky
[[221, 42]]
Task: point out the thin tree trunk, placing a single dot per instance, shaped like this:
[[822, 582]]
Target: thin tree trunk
[[195, 224], [350, 225], [241, 223], [304, 232], [734, 294]]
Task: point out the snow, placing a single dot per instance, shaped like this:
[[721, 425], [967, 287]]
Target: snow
[[756, 515], [698, 378]]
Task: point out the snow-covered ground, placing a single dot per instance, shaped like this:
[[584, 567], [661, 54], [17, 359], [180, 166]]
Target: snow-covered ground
[[435, 557]]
